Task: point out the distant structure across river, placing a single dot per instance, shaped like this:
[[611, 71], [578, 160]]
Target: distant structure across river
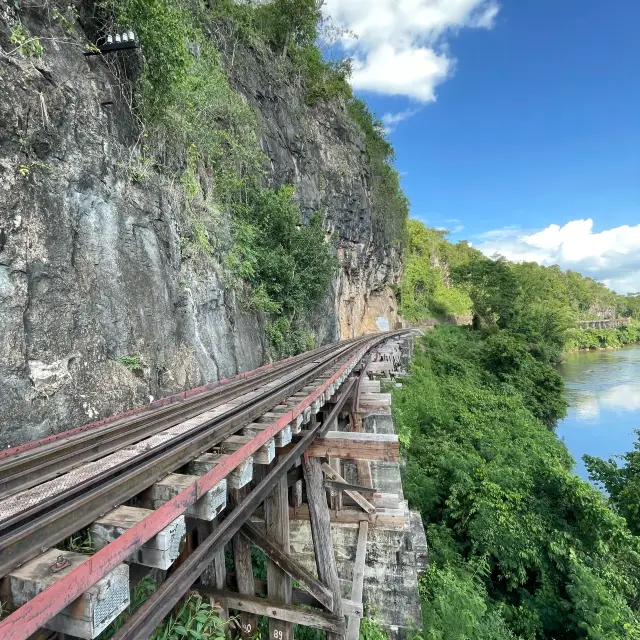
[[611, 323]]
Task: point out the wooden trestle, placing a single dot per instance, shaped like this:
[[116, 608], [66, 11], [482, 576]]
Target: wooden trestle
[[319, 494], [284, 466]]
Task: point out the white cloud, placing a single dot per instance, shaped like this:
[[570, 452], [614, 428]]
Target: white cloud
[[400, 48], [392, 120], [456, 225], [410, 72], [612, 256], [625, 397]]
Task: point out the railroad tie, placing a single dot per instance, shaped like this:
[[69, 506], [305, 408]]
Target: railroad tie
[[264, 455], [276, 413], [205, 508], [281, 439], [238, 478], [87, 616], [158, 552]]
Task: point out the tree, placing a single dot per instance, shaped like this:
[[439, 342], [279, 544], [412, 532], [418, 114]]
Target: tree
[[289, 23], [622, 483], [493, 288]]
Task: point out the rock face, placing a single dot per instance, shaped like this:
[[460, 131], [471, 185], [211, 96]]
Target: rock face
[[90, 266], [321, 151]]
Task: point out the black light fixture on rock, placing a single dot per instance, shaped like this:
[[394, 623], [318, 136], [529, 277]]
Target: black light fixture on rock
[[116, 42]]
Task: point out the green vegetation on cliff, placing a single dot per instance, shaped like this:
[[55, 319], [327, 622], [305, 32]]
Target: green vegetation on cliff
[[426, 289], [197, 128], [390, 205], [199, 131]]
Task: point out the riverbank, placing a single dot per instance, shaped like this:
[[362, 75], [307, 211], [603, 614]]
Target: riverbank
[[593, 339], [516, 541]]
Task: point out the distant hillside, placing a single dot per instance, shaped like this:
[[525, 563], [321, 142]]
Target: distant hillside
[[444, 281]]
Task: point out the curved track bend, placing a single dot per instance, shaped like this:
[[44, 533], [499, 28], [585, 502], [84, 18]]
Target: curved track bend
[[52, 488]]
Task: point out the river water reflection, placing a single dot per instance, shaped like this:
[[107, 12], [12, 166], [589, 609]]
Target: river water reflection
[[603, 392]]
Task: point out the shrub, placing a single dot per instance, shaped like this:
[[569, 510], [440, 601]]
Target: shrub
[[27, 46], [132, 362]]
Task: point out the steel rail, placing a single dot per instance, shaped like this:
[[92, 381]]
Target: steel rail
[[26, 620], [142, 624], [65, 513], [35, 466], [27, 513]]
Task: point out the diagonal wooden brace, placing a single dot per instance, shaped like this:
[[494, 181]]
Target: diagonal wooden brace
[[277, 555], [362, 502]]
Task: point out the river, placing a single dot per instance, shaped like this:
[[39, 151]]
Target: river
[[603, 393]]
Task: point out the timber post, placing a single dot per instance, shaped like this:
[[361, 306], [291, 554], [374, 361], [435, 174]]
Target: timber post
[[276, 523], [243, 569], [321, 534]]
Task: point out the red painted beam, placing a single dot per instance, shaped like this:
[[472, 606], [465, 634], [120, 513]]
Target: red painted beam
[[35, 613]]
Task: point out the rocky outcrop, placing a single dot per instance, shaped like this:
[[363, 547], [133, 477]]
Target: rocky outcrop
[[98, 310], [321, 151]]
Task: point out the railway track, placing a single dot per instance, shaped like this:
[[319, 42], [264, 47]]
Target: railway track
[[52, 489]]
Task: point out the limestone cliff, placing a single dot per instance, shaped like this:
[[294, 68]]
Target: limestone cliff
[[91, 269]]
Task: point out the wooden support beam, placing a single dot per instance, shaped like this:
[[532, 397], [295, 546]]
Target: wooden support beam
[[383, 447], [276, 554], [386, 518], [352, 608], [295, 475], [331, 421], [215, 574], [276, 521], [357, 497], [363, 467], [349, 607], [335, 495], [297, 488], [356, 397], [244, 569], [353, 627], [343, 486], [321, 534], [287, 614]]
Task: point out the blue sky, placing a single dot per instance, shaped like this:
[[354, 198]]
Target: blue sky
[[521, 127]]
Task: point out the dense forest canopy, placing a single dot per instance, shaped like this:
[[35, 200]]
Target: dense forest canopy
[[519, 546]]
